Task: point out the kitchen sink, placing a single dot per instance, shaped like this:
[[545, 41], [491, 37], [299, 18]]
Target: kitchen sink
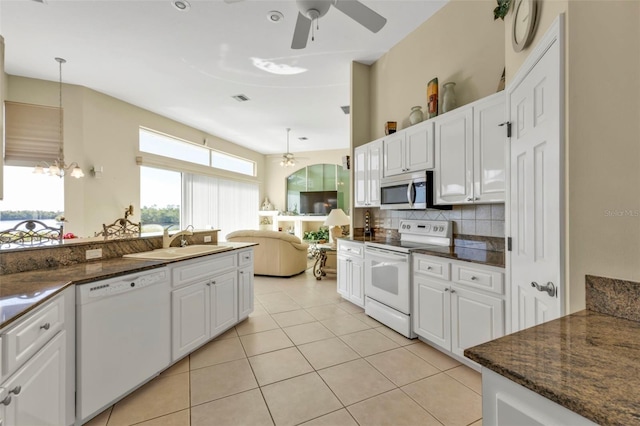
[[173, 253]]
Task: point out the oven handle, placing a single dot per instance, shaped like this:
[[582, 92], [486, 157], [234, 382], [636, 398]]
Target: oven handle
[[386, 252]]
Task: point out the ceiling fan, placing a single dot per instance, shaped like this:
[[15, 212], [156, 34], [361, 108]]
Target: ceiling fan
[[312, 10], [288, 159]]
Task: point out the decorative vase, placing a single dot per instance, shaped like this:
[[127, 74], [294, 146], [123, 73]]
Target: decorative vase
[[448, 97], [416, 115]]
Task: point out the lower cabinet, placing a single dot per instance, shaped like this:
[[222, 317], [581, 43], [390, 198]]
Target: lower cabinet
[[203, 310], [351, 272], [451, 314], [245, 292]]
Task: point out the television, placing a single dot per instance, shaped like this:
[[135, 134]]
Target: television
[[318, 202]]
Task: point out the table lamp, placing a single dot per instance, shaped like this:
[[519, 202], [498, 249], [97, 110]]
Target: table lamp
[[335, 220]]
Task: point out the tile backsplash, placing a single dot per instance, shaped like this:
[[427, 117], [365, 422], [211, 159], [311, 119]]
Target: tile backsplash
[[482, 219]]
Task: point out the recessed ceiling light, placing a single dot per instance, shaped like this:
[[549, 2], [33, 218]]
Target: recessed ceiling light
[[275, 17], [181, 5]]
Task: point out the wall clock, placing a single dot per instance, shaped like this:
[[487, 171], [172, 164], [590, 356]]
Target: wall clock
[[524, 23]]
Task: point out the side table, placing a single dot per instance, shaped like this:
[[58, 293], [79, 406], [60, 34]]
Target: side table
[[325, 258]]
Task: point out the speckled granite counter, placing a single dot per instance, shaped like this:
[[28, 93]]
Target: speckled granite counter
[[587, 362], [23, 291], [467, 250]]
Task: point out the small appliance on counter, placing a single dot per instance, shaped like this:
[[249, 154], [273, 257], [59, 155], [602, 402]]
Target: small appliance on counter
[[388, 292]]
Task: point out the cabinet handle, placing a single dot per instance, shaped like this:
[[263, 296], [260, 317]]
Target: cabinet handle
[[242, 272], [208, 284], [16, 390], [446, 289], [469, 199], [452, 291], [213, 282], [429, 268], [7, 400], [473, 278], [477, 198], [46, 326]]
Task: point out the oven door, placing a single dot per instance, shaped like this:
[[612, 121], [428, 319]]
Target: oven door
[[387, 278]]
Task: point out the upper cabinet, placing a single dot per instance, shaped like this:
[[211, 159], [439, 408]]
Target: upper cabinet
[[367, 172], [470, 153], [409, 150]]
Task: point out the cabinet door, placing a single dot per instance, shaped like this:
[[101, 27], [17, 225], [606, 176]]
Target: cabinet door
[[245, 292], [475, 318], [344, 275], [454, 157], [432, 316], [190, 319], [223, 291], [394, 154], [419, 147], [360, 182], [374, 172], [489, 149], [356, 291], [41, 399]]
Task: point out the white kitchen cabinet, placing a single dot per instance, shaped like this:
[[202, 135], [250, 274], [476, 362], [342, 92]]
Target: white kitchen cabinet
[[409, 150], [38, 365], [190, 311], [451, 309], [505, 402], [223, 293], [351, 271], [470, 153], [367, 171], [245, 292]]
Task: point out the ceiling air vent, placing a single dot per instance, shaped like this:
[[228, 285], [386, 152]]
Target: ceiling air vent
[[241, 98], [346, 109], [303, 138]]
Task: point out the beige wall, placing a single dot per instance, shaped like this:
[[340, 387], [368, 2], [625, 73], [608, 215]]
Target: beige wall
[[460, 43], [602, 137], [101, 130], [276, 176]]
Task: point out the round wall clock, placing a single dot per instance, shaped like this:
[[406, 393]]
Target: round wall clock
[[524, 23]]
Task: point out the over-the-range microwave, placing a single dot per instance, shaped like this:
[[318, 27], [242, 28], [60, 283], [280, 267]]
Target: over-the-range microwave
[[412, 191]]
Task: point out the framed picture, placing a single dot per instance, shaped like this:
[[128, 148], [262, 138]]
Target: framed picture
[[432, 98]]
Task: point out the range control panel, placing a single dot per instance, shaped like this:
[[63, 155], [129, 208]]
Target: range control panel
[[426, 228]]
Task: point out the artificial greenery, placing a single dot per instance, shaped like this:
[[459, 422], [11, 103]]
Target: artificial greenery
[[321, 234], [502, 9]]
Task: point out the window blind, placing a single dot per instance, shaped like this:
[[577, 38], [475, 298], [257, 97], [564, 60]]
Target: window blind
[[32, 133]]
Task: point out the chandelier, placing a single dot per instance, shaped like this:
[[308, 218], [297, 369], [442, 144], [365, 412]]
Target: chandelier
[[59, 167]]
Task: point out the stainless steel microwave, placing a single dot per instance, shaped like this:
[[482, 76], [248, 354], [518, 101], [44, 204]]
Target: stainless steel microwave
[[408, 192]]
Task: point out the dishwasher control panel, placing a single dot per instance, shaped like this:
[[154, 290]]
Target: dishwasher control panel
[[123, 284]]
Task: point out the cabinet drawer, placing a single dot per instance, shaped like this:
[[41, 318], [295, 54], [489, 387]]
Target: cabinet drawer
[[31, 334], [245, 258], [479, 277], [432, 267], [200, 269], [351, 249]]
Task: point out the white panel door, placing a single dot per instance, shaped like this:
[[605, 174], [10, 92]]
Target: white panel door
[[344, 275], [190, 319], [489, 150], [224, 302], [432, 311], [356, 291], [374, 172], [245, 292], [360, 183], [475, 318], [394, 154], [419, 147], [536, 207], [454, 157]]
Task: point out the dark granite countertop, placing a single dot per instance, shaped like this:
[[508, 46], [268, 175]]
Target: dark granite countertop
[[587, 362], [24, 291], [458, 252]]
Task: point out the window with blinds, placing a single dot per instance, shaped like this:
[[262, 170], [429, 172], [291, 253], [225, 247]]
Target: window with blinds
[[32, 133]]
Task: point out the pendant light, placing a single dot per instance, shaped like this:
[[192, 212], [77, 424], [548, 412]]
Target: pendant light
[[59, 167]]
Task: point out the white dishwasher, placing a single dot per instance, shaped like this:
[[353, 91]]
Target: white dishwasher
[[123, 336]]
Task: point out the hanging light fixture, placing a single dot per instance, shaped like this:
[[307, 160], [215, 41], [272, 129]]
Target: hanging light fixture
[[287, 157], [59, 167]]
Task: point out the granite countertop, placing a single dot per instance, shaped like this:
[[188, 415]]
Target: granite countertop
[[587, 362], [24, 291], [460, 251]]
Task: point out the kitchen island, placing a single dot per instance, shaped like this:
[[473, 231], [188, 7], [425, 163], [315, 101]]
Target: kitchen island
[[587, 362]]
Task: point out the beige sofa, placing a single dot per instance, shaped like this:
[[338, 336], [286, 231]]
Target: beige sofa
[[278, 253]]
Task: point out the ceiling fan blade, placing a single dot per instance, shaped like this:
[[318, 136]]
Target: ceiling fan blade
[[301, 32], [361, 14]]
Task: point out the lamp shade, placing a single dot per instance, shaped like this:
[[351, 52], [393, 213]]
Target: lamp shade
[[337, 217]]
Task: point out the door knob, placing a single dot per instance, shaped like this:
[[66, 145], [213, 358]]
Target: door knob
[[549, 287]]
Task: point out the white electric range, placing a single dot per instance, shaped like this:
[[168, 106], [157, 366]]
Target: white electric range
[[387, 288]]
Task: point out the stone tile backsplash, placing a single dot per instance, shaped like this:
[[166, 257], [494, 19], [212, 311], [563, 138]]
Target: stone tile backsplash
[[482, 219]]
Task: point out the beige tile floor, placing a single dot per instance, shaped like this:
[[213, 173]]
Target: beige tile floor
[[306, 356]]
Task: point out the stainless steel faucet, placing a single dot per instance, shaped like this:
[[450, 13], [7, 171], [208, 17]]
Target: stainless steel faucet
[[167, 240]]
